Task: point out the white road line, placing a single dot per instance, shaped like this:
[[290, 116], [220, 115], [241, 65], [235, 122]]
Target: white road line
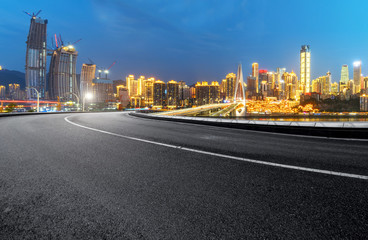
[[341, 174], [254, 131]]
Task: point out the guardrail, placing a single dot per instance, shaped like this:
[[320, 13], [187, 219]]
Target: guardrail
[[325, 129]]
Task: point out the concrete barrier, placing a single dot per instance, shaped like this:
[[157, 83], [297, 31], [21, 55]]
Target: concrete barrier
[[353, 130]]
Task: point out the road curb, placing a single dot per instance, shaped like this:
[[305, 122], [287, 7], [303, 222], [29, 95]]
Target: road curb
[[314, 129]]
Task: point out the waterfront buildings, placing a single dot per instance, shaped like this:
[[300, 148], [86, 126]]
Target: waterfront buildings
[[36, 57], [62, 74], [305, 69]]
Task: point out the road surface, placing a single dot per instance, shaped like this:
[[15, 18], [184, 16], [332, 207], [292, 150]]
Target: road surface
[[114, 176]]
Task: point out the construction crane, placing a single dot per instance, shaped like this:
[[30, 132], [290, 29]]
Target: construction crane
[[33, 15]]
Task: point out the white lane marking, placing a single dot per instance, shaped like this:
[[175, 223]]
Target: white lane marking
[[341, 174], [254, 131]]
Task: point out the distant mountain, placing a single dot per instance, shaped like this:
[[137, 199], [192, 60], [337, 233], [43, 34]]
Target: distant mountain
[[9, 76]]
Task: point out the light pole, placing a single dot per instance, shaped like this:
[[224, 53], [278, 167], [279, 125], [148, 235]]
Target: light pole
[[75, 96], [38, 97], [88, 96]]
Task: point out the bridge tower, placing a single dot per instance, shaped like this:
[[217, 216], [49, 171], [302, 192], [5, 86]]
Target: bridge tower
[[240, 81]]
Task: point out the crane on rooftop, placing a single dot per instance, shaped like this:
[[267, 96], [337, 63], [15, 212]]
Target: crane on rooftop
[[33, 15]]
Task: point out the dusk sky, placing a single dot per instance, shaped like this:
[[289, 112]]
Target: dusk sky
[[195, 40]]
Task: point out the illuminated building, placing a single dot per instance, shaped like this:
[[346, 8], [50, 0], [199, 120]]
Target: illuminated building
[[1, 68], [255, 74], [63, 78], [364, 103], [132, 85], [2, 92], [344, 77], [87, 75], [148, 91], [356, 76], [159, 88], [172, 93], [291, 85], [140, 89], [326, 84], [208, 94], [316, 86], [334, 88], [36, 57], [322, 85], [365, 85], [230, 86], [305, 72]]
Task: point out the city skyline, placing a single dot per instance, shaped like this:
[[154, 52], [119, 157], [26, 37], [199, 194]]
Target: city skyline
[[193, 47]]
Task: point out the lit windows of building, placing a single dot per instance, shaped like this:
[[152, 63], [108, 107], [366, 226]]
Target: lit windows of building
[[230, 86], [207, 94], [305, 69], [172, 94], [255, 74], [159, 88]]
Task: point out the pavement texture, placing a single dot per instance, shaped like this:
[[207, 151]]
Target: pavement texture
[[60, 181]]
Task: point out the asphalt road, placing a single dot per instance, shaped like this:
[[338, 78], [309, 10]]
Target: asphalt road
[[60, 180]]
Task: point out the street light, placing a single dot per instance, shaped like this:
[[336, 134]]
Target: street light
[[75, 96], [88, 96], [38, 97]]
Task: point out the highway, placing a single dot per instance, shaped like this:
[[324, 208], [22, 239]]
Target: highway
[[115, 176]]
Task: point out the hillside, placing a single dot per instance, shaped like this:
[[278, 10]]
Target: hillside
[[8, 76]]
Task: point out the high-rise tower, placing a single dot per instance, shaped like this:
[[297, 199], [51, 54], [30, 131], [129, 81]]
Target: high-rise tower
[[36, 56], [305, 61], [356, 76], [87, 75], [344, 77], [63, 77]]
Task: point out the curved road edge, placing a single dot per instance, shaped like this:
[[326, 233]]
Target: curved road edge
[[312, 129]]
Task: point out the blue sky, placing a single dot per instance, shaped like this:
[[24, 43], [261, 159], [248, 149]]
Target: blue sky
[[195, 40]]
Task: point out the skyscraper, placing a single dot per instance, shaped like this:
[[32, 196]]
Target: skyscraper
[[87, 75], [230, 86], [356, 76], [305, 61], [344, 77], [255, 74], [63, 78], [172, 93], [36, 57]]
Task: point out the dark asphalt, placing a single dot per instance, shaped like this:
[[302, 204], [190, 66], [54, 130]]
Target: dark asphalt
[[60, 181]]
